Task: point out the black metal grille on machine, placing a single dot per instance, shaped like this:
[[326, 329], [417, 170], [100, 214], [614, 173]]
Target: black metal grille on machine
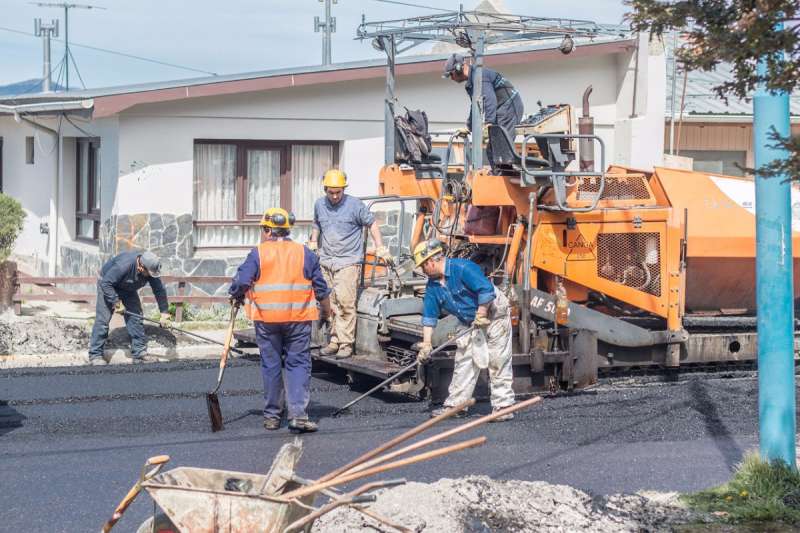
[[616, 188], [631, 259]]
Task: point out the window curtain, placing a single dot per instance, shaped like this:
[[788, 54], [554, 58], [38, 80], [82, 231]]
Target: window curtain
[[309, 163], [95, 149], [215, 194], [83, 178], [263, 180]]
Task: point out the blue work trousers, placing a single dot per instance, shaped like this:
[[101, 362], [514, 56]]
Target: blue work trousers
[[285, 360], [102, 316]]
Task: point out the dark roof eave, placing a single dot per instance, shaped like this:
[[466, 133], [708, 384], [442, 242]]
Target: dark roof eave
[[116, 100]]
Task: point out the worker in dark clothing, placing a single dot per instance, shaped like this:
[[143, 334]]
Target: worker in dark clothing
[[501, 102], [117, 291], [281, 280]]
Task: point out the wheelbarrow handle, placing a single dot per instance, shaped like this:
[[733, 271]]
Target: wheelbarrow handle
[[157, 462]]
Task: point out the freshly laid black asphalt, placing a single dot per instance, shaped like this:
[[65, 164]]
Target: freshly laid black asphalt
[[72, 440]]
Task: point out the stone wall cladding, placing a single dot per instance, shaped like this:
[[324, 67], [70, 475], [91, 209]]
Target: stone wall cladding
[[168, 236], [389, 224]]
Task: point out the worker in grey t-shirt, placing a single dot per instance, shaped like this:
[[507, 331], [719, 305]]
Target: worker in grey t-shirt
[[337, 235]]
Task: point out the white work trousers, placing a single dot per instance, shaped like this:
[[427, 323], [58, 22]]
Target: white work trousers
[[489, 349]]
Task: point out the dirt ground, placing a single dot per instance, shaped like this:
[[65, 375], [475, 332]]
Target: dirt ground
[[479, 504]]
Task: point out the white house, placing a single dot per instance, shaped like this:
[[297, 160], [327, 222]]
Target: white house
[[185, 168]]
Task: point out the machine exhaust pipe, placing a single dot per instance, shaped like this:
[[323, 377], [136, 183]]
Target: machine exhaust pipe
[[586, 127]]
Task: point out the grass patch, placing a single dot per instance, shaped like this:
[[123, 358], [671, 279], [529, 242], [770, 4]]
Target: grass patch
[[759, 492]]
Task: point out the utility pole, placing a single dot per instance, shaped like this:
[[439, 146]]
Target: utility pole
[[328, 27], [66, 7], [46, 31], [774, 294]]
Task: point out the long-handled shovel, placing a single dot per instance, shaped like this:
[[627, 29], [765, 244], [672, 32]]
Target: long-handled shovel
[[157, 463], [185, 332], [212, 400], [401, 372]]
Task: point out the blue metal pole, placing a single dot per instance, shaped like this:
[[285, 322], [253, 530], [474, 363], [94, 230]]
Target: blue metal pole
[[776, 383]]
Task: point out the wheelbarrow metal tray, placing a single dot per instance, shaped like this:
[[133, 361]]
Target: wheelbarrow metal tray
[[200, 500]]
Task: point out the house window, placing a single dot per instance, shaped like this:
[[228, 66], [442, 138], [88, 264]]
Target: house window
[[87, 205], [29, 150], [236, 181]]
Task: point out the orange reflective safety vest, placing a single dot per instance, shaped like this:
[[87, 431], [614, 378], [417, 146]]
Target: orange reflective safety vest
[[281, 293]]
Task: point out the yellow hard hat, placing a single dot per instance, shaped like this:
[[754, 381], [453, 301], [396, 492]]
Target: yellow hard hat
[[275, 217], [427, 249], [334, 178]]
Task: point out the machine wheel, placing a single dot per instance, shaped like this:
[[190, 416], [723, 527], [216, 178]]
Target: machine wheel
[[159, 524]]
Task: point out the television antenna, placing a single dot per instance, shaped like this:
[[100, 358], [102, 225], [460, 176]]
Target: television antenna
[[67, 54]]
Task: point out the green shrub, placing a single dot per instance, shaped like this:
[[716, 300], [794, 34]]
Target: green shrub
[[759, 492], [11, 218]]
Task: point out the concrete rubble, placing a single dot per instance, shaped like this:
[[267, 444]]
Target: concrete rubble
[[479, 504]]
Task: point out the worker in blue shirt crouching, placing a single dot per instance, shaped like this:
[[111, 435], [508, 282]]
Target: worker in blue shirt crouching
[[458, 287]]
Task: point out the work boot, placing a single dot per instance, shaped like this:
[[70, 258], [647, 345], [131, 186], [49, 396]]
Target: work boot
[[330, 349], [146, 358], [440, 410], [504, 418], [345, 351], [302, 425], [97, 361], [272, 423]]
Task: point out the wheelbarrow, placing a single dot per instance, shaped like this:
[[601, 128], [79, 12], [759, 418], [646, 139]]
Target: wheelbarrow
[[201, 500]]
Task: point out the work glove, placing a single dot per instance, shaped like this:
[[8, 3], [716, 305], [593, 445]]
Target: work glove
[[424, 353], [165, 320], [481, 322], [236, 301], [382, 252], [485, 132], [325, 313], [312, 245], [119, 307], [462, 132]]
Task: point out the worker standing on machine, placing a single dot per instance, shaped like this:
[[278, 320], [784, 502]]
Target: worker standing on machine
[[502, 104], [117, 292], [458, 287], [337, 235], [281, 280]]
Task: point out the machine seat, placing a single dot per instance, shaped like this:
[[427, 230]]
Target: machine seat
[[505, 156]]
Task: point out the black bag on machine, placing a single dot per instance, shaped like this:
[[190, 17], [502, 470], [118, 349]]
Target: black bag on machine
[[413, 140]]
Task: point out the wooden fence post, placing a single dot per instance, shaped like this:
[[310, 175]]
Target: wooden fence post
[[179, 305]]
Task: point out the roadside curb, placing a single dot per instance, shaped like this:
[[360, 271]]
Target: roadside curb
[[118, 356]]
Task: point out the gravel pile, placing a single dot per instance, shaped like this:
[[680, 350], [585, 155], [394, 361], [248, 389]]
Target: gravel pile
[[156, 338], [41, 335], [26, 335], [480, 504]]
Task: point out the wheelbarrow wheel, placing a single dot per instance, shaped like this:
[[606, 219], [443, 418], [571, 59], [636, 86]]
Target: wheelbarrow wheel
[[159, 524]]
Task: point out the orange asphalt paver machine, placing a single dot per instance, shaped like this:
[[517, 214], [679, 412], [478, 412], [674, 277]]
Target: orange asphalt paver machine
[[607, 267]]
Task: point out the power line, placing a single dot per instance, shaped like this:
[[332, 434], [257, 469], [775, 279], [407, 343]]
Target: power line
[[123, 54], [413, 5]]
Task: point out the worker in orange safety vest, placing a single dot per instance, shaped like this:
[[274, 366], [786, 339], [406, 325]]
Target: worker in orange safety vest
[[282, 282]]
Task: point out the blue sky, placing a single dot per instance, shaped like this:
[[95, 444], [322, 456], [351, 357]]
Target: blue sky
[[222, 36]]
